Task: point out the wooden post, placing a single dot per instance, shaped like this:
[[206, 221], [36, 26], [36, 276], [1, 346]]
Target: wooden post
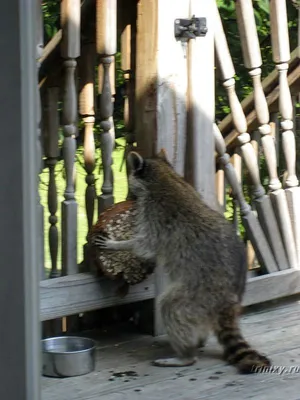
[[253, 61], [161, 90], [106, 43], [161, 80], [39, 155], [289, 217], [201, 106], [70, 50], [20, 367]]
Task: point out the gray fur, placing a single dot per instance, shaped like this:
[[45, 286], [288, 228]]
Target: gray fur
[[199, 249]]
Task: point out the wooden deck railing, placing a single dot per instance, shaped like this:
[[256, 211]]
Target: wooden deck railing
[[84, 70]]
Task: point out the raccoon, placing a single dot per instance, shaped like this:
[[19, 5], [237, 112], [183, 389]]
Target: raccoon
[[203, 256]]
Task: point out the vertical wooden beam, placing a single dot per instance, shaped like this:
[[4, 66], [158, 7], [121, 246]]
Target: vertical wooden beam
[[19, 285], [146, 76], [201, 105], [160, 95], [39, 154]]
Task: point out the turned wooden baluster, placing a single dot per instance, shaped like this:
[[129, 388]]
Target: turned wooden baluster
[[227, 73], [106, 42], [51, 137], [250, 222], [87, 112], [39, 51], [220, 188], [70, 50], [236, 161], [230, 173], [126, 65], [274, 124], [253, 62], [281, 57]]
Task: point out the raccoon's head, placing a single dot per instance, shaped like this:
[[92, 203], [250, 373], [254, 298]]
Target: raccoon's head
[[146, 173]]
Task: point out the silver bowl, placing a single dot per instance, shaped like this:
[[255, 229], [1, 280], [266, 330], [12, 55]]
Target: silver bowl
[[68, 356]]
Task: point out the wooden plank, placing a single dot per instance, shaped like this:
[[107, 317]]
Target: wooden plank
[[282, 212], [273, 286], [293, 200], [218, 380], [78, 293], [83, 292], [269, 224]]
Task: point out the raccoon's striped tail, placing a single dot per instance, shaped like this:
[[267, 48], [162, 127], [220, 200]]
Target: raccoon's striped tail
[[237, 351]]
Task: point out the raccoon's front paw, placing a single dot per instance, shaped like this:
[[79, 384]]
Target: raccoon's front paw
[[103, 242]]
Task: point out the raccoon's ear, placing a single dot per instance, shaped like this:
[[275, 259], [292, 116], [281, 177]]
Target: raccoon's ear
[[135, 161], [162, 155]]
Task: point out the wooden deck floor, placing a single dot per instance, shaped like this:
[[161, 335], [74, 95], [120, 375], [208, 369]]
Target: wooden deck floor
[[275, 331]]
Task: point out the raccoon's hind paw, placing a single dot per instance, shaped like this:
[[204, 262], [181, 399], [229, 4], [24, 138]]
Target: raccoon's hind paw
[[253, 364], [174, 362]]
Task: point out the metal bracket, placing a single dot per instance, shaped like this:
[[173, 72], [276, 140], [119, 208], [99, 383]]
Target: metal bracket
[[190, 28]]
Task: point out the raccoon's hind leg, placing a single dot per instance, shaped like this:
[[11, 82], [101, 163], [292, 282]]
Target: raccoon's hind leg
[[236, 350], [182, 326]]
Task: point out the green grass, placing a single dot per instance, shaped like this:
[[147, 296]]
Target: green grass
[[120, 193]]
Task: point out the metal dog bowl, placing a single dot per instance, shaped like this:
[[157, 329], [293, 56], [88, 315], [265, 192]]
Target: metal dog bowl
[[68, 356]]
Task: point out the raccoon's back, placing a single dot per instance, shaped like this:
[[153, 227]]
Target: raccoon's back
[[184, 231]]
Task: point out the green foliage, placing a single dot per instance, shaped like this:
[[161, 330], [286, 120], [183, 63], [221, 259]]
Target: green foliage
[[51, 13]]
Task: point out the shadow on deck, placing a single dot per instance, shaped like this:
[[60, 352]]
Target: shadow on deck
[[273, 330]]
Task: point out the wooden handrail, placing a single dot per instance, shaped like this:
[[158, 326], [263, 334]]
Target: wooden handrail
[[269, 84], [272, 100], [271, 90]]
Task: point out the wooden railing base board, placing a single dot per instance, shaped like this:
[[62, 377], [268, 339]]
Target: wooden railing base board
[[83, 292]]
